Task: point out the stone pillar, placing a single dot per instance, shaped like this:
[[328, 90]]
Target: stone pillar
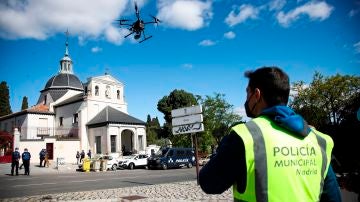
[[16, 138]]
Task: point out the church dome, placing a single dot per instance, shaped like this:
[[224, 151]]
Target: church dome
[[64, 80]]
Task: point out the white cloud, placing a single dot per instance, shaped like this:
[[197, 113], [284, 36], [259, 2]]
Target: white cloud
[[230, 35], [315, 11], [185, 14], [353, 12], [96, 49], [245, 12], [276, 4], [207, 42], [187, 66], [357, 47], [42, 19], [241, 111]]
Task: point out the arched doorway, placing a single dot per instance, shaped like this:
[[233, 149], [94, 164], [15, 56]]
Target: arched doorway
[[127, 142], [6, 146]]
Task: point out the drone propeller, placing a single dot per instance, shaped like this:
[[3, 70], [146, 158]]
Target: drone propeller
[[156, 20], [137, 11]]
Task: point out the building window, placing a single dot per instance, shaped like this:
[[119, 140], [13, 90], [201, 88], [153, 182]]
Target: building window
[[113, 143], [96, 90], [75, 118], [61, 121], [86, 90], [118, 94], [140, 143], [45, 99], [107, 92], [98, 144]]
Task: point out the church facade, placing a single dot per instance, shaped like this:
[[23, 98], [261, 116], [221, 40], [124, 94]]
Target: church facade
[[72, 116]]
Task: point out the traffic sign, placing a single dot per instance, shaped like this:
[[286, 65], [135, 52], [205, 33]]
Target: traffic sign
[[183, 120], [188, 128], [186, 111]]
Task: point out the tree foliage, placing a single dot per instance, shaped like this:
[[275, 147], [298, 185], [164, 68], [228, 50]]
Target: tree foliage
[[24, 104], [330, 104], [175, 100], [218, 117], [152, 130], [5, 107], [324, 100]]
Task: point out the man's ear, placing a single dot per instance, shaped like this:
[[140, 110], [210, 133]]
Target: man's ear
[[257, 93]]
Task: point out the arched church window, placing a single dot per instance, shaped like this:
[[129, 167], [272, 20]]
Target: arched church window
[[107, 92], [118, 94], [96, 90]]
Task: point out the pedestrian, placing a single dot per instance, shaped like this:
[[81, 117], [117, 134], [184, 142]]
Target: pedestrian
[[89, 154], [275, 156], [46, 160], [26, 156], [42, 157], [77, 157], [15, 158], [82, 156]]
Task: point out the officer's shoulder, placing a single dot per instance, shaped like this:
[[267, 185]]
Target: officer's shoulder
[[237, 123]]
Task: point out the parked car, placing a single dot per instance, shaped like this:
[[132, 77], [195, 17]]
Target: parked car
[[132, 161], [172, 158]]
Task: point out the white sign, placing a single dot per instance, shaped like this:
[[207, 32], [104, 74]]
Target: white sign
[[189, 128], [195, 118], [186, 111]]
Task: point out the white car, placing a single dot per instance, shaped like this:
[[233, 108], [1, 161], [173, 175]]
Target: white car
[[132, 161]]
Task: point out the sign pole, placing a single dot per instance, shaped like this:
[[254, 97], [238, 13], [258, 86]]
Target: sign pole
[[196, 158]]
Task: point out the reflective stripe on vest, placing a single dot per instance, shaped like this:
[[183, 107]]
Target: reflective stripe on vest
[[260, 147]]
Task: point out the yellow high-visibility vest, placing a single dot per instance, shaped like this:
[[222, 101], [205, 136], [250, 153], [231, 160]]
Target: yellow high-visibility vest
[[281, 166]]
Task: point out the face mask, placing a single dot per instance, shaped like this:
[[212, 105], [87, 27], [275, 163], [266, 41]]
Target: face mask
[[249, 113]]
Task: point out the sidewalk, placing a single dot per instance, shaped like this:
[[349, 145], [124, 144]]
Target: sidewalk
[[179, 191], [5, 168]]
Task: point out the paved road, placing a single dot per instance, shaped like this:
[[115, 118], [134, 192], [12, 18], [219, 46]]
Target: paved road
[[47, 183], [129, 187]]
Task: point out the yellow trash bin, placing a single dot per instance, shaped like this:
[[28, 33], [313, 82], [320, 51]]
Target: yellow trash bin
[[86, 165]]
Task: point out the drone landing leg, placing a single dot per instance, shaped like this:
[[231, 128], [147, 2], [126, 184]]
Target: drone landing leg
[[146, 38]]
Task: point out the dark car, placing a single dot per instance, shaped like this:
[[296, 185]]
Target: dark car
[[172, 158]]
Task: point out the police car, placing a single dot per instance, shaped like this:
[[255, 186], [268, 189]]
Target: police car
[[172, 158]]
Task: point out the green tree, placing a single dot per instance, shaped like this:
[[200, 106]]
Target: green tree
[[330, 104], [176, 99], [218, 117], [152, 130], [5, 107], [323, 102], [24, 104]]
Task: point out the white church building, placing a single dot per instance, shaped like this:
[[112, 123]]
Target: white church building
[[71, 116]]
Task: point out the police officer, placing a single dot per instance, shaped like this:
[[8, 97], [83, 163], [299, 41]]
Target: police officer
[[26, 161], [15, 158], [276, 156]]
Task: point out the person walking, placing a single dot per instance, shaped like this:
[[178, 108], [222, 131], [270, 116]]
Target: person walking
[[26, 156], [77, 157], [82, 155], [46, 160], [15, 158], [89, 154], [275, 156], [42, 157]]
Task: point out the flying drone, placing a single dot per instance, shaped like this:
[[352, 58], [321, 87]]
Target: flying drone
[[137, 28]]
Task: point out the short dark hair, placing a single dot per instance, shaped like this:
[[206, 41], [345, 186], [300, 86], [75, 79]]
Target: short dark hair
[[273, 84]]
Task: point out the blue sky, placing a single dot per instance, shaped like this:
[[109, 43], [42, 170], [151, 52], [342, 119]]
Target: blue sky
[[201, 47]]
